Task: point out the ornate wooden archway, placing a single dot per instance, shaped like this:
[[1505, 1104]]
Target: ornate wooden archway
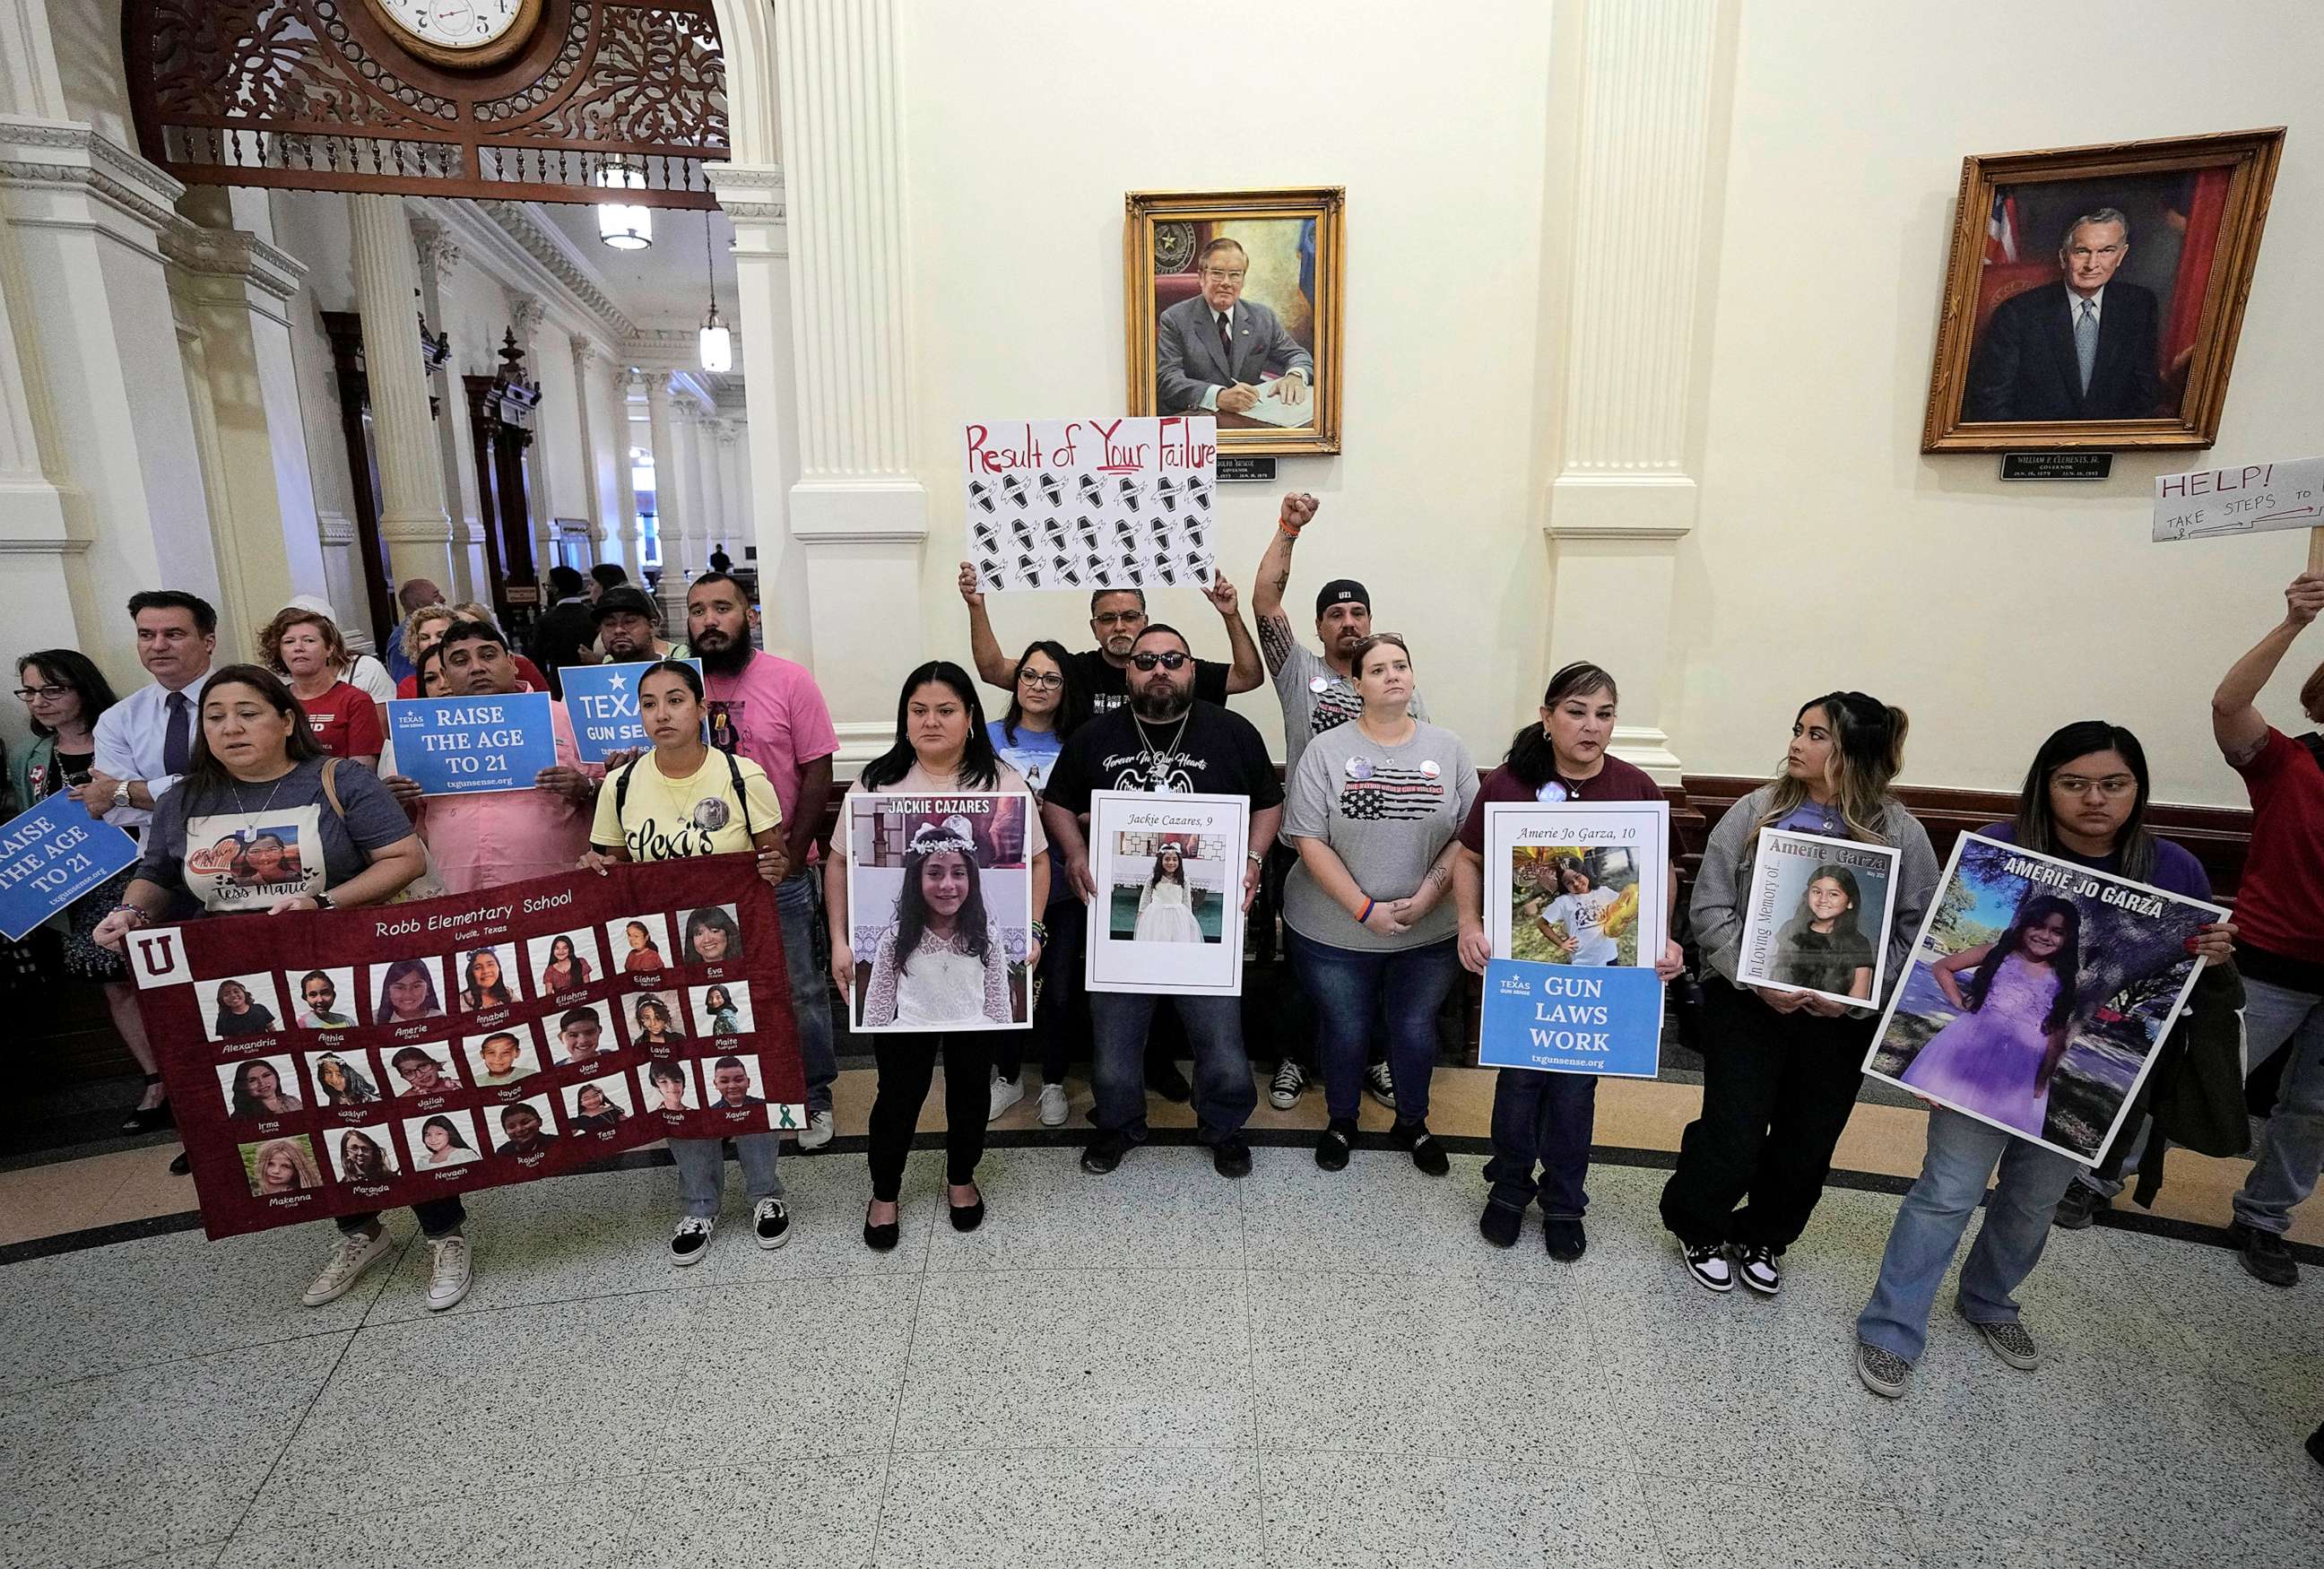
[[321, 95]]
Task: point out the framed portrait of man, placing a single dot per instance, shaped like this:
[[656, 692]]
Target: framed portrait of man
[[1233, 309], [2094, 294]]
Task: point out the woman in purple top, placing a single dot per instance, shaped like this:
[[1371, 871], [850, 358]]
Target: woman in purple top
[[2085, 801]]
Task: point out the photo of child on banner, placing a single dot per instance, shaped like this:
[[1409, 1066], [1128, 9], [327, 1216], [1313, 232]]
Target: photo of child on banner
[[1085, 504], [510, 1081], [940, 892], [1169, 911], [2038, 995], [1818, 918], [1576, 901]]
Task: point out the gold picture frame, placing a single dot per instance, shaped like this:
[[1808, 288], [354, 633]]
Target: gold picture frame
[[1293, 240], [2008, 375]]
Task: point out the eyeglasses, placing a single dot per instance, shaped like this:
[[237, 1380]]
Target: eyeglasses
[[1218, 275], [1041, 681], [1118, 617], [1172, 660], [2113, 787], [34, 694]]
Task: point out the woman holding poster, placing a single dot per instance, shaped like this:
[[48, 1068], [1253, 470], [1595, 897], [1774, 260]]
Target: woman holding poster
[[1782, 1068], [1372, 810], [2084, 801], [1543, 1121], [1821, 947], [255, 761], [653, 810], [942, 747]]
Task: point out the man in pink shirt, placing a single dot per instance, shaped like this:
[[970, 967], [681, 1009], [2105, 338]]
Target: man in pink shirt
[[769, 710], [482, 841]]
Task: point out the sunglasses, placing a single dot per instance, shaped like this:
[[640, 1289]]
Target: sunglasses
[[1172, 660]]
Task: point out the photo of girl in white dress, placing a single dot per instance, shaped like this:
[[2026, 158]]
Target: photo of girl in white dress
[[941, 960], [1165, 905]]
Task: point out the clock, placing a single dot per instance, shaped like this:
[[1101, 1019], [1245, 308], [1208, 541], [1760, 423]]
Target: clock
[[463, 34]]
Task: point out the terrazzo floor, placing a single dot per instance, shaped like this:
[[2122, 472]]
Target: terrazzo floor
[[1159, 1367]]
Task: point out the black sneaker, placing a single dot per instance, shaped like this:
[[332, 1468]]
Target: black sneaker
[[772, 1222], [1707, 1266], [686, 1243], [2316, 1444], [1756, 1266], [2076, 1208], [1427, 1153], [2264, 1256], [1163, 1077], [1231, 1156], [1563, 1237], [1105, 1152], [1331, 1145], [1499, 1225]]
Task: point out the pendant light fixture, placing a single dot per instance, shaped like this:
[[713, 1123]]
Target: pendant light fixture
[[621, 225], [717, 342]]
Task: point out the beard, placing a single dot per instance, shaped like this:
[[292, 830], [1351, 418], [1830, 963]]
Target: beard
[[726, 657], [1158, 706]]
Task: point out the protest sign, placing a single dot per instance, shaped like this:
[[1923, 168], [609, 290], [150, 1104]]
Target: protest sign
[[50, 855], [1167, 916], [601, 701], [1817, 916], [1568, 1018], [940, 911], [2254, 498], [1085, 504], [458, 746], [2038, 994], [414, 1050]]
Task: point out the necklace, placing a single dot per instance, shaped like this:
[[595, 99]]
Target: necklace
[[242, 805], [1157, 763], [1364, 728]]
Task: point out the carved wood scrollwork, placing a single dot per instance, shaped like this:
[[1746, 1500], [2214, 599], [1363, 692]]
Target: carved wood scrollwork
[[318, 95]]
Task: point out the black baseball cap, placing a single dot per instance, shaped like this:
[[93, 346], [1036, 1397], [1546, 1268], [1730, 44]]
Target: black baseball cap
[[625, 600], [1341, 591]]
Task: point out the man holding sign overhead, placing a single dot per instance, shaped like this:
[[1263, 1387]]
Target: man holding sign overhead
[[482, 840]]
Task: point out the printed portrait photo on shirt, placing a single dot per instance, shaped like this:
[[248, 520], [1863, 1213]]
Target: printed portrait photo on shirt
[[423, 1068], [441, 1140], [254, 859], [722, 1007], [362, 1155], [580, 1034], [667, 1085], [710, 935], [500, 1057], [640, 944], [325, 998], [524, 1129], [342, 1079], [259, 1089], [407, 990], [237, 1006], [1817, 916], [654, 1018], [940, 897], [597, 1105], [490, 978], [276, 1167], [2038, 994], [563, 961]]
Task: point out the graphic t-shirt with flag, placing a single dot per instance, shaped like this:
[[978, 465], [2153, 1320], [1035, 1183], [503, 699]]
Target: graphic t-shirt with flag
[[1387, 812]]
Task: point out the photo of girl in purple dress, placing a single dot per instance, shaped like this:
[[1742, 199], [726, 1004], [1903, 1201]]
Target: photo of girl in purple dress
[[1997, 1058]]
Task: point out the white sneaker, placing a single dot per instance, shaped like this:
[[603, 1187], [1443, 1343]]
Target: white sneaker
[[448, 1278], [818, 1131], [1006, 1093], [1053, 1105], [352, 1256], [1290, 1080], [1709, 1267]]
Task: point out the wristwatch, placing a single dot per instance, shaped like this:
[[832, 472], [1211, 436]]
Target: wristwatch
[[121, 793], [322, 900]]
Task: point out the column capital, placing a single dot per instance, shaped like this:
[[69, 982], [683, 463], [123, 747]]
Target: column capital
[[526, 313], [64, 158], [237, 254], [585, 352], [438, 251]]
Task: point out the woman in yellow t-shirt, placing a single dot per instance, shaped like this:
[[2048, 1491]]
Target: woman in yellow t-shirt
[[680, 800]]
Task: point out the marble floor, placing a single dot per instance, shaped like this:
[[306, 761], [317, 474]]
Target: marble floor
[[1159, 1367]]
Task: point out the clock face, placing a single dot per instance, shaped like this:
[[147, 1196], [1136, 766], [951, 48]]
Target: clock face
[[454, 24]]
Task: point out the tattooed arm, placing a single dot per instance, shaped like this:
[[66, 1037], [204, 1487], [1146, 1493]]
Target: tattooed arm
[[2236, 723], [1275, 634]]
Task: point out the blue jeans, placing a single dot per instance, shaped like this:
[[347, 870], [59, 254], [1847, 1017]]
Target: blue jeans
[[702, 1169], [1225, 1096], [1545, 1120], [1963, 1153], [2291, 1145], [810, 986], [1403, 988]]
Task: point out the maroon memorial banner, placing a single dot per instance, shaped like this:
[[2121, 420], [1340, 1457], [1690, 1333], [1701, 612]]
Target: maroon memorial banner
[[350, 1060]]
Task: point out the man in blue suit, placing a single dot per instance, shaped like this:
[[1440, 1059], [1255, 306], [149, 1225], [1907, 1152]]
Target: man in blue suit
[[1211, 351], [2081, 348]]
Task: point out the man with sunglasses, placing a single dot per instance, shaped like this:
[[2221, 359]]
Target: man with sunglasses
[[1117, 617], [1168, 741]]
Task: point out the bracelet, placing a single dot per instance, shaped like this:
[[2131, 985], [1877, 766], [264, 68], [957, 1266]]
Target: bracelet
[[1040, 932], [133, 912], [1369, 905]]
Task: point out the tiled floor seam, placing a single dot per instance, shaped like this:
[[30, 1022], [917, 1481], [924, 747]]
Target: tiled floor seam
[[903, 1383], [292, 1437]]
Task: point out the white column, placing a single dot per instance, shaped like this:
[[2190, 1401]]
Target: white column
[[439, 257], [858, 504], [1625, 491], [413, 521], [632, 551], [710, 434], [660, 423], [733, 501], [592, 510]]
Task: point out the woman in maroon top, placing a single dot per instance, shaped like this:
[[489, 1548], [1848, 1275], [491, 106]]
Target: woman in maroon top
[[1545, 1120]]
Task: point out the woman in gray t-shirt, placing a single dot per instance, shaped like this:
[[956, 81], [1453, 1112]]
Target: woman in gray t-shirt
[[1372, 810]]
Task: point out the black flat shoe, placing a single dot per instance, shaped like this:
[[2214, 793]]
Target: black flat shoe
[[1332, 1143], [182, 1167], [967, 1217], [882, 1239], [149, 1120]]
